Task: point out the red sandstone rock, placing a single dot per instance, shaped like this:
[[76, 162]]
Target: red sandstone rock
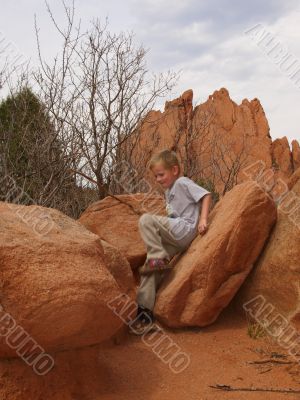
[[276, 275], [54, 279], [211, 271], [293, 179], [115, 220], [281, 156], [119, 267], [295, 154], [212, 140], [230, 137]]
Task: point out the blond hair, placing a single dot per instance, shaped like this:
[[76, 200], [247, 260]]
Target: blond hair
[[167, 157]]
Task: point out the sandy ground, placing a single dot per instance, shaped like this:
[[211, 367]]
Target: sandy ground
[[128, 368]]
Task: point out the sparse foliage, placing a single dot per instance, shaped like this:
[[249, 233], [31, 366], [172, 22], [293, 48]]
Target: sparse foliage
[[97, 90], [32, 155]]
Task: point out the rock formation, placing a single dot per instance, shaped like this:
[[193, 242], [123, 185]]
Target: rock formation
[[115, 220], [215, 140], [210, 272], [55, 280], [276, 275], [295, 154]]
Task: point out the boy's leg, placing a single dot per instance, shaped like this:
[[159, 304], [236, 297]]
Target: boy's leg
[[150, 283], [155, 232], [147, 290]]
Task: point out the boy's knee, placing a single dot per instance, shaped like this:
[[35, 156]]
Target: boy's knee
[[145, 219]]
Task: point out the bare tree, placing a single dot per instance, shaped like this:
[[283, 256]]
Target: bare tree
[[97, 90], [228, 157], [192, 143], [135, 152], [5, 68], [2, 69]]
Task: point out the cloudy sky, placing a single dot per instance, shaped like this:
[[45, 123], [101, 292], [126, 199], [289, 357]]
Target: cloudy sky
[[206, 40]]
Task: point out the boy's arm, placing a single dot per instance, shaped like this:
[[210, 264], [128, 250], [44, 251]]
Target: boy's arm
[[205, 206]]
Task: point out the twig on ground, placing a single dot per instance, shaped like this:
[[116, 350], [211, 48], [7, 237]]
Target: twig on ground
[[265, 371], [229, 388], [271, 361]]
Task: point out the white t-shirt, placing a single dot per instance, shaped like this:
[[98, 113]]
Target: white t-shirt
[[183, 207]]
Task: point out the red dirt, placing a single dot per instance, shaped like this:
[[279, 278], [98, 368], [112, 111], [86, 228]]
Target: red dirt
[[125, 368]]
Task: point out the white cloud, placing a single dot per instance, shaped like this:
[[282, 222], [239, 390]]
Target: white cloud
[[238, 64], [204, 39]]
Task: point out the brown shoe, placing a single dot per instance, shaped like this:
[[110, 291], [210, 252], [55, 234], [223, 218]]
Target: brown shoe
[[155, 264]]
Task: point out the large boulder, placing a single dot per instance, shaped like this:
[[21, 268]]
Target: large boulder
[[119, 267], [115, 220], [210, 272], [276, 275], [54, 280]]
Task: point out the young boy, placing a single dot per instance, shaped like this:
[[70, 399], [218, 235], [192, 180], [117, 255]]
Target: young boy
[[187, 206]]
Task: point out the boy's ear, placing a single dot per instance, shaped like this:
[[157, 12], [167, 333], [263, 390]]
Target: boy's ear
[[176, 169]]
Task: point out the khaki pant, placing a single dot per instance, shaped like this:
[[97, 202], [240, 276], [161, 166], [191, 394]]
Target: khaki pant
[[160, 243]]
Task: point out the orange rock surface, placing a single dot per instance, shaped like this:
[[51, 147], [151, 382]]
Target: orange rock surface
[[214, 140], [55, 284], [115, 220], [276, 275], [212, 269]]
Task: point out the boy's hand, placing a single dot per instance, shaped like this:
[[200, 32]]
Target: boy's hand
[[202, 226]]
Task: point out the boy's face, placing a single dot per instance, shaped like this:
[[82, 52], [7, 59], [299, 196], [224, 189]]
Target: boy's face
[[165, 177]]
